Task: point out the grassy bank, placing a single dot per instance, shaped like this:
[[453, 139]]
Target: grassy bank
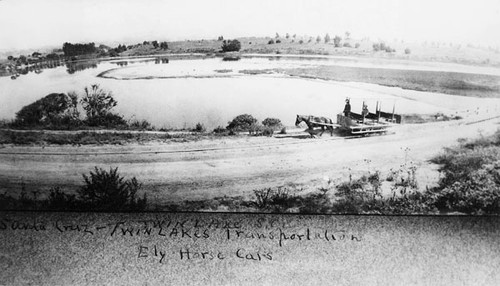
[[98, 138]]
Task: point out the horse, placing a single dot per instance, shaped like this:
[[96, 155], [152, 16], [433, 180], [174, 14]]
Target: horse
[[311, 122]]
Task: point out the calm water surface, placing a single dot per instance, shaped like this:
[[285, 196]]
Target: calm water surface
[[183, 102]]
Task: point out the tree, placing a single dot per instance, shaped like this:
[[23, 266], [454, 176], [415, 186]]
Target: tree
[[97, 104], [231, 46], [287, 36], [336, 41], [10, 58], [270, 42], [327, 38], [53, 109], [155, 44], [273, 123], [407, 51], [318, 39], [22, 59], [277, 36], [164, 45], [243, 122], [78, 49]]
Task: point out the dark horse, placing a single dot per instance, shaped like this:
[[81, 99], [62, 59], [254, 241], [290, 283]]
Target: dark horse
[[312, 121]]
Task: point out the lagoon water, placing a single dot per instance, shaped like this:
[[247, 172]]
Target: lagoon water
[[181, 93]]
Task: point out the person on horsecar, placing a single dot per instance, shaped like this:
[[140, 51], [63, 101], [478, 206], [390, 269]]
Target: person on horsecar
[[365, 110], [347, 108]]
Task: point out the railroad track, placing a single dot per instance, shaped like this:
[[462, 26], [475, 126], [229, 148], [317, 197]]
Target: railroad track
[[194, 150]]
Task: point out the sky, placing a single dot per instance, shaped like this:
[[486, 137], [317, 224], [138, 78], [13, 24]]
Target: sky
[[27, 24]]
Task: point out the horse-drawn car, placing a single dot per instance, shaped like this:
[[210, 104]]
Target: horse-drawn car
[[363, 123]]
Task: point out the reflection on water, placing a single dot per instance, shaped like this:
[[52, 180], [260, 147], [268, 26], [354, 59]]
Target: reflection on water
[[157, 60], [72, 67], [36, 68]]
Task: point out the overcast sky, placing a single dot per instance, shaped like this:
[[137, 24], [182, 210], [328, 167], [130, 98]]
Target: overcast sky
[[35, 23]]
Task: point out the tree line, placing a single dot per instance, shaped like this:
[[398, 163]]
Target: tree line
[[70, 49]]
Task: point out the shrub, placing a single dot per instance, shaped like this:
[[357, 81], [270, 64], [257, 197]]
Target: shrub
[[58, 200], [199, 128], [470, 177], [316, 203], [109, 191], [220, 130], [141, 125], [278, 41], [243, 122], [407, 51], [271, 42], [275, 200], [358, 195], [97, 104], [268, 132]]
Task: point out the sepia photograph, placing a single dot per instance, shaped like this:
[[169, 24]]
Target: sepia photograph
[[306, 112]]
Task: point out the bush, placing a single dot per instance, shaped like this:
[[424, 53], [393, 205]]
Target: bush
[[141, 125], [243, 122], [60, 201], [407, 51], [109, 191], [471, 177], [271, 42], [199, 128], [275, 200], [97, 104], [268, 132], [220, 130]]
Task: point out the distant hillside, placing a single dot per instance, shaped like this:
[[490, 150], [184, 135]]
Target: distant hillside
[[351, 47], [305, 45]]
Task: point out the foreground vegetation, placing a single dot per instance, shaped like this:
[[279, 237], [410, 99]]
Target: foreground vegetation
[[102, 191], [469, 184]]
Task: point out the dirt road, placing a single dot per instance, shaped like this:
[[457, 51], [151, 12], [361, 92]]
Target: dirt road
[[236, 166]]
